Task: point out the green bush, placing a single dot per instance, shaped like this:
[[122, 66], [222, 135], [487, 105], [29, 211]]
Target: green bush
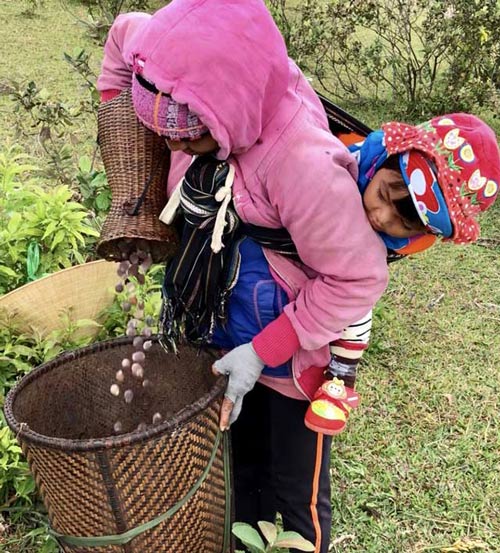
[[41, 229], [102, 13], [413, 59]]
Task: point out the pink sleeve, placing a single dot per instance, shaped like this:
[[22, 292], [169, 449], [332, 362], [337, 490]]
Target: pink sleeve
[[277, 342], [116, 72], [317, 197]]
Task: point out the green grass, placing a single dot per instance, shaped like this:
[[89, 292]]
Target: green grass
[[419, 466]]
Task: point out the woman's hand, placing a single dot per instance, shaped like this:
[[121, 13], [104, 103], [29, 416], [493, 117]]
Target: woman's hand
[[243, 367]]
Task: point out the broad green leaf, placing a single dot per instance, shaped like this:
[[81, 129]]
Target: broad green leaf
[[249, 537], [51, 227], [102, 201], [89, 231], [23, 350], [58, 238], [87, 322], [7, 271], [269, 530], [293, 540], [85, 164], [14, 223]]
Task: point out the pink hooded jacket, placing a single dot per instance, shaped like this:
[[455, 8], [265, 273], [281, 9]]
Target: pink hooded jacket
[[227, 60]]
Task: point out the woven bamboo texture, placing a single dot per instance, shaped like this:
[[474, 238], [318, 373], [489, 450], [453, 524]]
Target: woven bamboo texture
[[136, 161], [94, 483], [80, 292]]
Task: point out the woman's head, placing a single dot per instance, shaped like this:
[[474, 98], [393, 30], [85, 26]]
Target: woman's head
[[183, 130], [225, 60]]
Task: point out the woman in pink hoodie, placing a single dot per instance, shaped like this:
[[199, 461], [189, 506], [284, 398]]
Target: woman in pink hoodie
[[213, 77]]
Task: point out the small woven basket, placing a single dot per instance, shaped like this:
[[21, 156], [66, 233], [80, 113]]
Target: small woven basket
[[163, 489], [136, 161]]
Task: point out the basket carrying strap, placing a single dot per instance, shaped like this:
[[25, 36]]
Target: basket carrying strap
[[129, 535]]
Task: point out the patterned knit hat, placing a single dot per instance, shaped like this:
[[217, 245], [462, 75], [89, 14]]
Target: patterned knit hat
[[162, 114], [462, 152]]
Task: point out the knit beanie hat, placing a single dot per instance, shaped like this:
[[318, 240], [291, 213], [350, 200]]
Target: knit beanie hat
[[451, 165], [162, 114]]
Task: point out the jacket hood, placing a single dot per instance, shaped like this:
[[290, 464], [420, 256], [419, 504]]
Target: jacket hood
[[226, 59]]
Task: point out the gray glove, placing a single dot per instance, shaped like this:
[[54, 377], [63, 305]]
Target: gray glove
[[243, 366]]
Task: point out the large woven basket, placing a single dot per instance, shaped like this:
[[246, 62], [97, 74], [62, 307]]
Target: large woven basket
[[136, 161], [163, 489], [80, 292]]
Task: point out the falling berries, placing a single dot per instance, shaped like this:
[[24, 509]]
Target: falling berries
[[138, 356], [128, 396], [131, 273]]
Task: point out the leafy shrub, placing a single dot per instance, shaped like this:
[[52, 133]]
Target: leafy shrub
[[277, 542], [415, 58], [32, 7], [102, 13], [94, 188], [80, 63], [41, 229], [16, 483], [39, 115]]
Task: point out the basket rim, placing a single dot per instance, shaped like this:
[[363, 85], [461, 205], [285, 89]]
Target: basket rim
[[23, 432]]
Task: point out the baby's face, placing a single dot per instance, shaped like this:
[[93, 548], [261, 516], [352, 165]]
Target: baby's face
[[378, 200]]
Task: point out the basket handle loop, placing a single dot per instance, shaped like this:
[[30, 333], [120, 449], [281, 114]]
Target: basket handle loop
[[140, 200]]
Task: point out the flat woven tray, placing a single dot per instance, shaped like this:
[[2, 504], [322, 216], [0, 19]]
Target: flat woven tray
[[163, 489], [79, 292]]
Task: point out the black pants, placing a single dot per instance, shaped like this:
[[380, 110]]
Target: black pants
[[281, 466]]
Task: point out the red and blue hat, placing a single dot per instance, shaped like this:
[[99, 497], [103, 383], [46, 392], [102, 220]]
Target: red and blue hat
[[451, 165], [422, 182]]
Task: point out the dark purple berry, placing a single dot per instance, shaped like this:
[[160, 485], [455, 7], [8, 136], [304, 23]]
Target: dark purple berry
[[133, 258]]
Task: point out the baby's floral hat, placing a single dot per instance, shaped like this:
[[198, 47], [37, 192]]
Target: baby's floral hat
[[462, 153]]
